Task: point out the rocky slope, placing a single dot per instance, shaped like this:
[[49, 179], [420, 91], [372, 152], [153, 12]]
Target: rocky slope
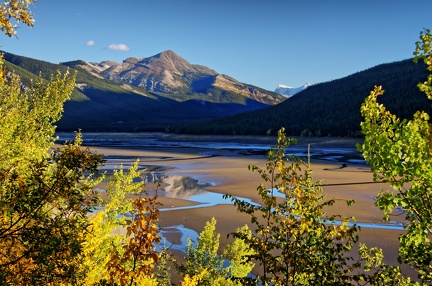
[[169, 73]]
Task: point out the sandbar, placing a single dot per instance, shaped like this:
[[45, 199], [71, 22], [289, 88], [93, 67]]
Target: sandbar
[[225, 171]]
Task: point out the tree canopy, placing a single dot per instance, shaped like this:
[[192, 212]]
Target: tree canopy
[[399, 152], [13, 12]]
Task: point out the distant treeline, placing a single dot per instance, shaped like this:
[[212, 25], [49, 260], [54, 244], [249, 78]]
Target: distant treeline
[[330, 108]]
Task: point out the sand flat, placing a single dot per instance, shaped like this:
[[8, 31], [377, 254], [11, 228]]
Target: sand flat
[[226, 172]]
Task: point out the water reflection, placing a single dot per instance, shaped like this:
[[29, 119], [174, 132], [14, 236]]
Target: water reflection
[[182, 187], [187, 188], [175, 237]]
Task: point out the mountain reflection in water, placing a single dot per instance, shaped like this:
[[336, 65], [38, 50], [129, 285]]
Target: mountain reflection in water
[[182, 187], [190, 189], [187, 188]]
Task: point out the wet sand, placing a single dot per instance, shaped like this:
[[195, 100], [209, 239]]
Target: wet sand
[[228, 174]]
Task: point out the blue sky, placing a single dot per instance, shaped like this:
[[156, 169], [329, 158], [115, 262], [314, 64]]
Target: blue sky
[[260, 42]]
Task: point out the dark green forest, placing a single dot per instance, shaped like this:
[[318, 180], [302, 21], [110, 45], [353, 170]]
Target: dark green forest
[[331, 108]]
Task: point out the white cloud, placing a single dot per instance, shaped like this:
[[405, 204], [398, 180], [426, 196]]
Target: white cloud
[[90, 43], [118, 47]]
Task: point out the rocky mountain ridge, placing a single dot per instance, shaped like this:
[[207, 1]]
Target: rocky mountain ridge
[[169, 73]]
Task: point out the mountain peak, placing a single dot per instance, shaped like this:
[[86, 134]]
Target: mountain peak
[[169, 73], [168, 53], [163, 72], [290, 91], [171, 61]]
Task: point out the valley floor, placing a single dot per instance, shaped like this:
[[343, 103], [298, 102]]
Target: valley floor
[[213, 166]]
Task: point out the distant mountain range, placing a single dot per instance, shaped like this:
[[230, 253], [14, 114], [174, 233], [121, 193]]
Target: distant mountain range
[[290, 91], [166, 93], [146, 94]]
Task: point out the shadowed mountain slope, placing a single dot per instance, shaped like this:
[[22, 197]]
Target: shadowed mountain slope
[[330, 108]]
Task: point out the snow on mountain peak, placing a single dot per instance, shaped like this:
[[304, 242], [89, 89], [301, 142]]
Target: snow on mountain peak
[[283, 86], [290, 91]]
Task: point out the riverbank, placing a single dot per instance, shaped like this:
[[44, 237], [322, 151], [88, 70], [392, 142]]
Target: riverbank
[[221, 167]]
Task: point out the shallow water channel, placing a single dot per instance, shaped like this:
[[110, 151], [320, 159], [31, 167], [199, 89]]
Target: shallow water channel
[[187, 188], [193, 189]]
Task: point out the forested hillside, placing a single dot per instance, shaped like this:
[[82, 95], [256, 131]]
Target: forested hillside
[[330, 108]]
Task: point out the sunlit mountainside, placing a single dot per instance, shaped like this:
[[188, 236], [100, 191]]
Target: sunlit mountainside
[[169, 73], [147, 94], [166, 93]]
